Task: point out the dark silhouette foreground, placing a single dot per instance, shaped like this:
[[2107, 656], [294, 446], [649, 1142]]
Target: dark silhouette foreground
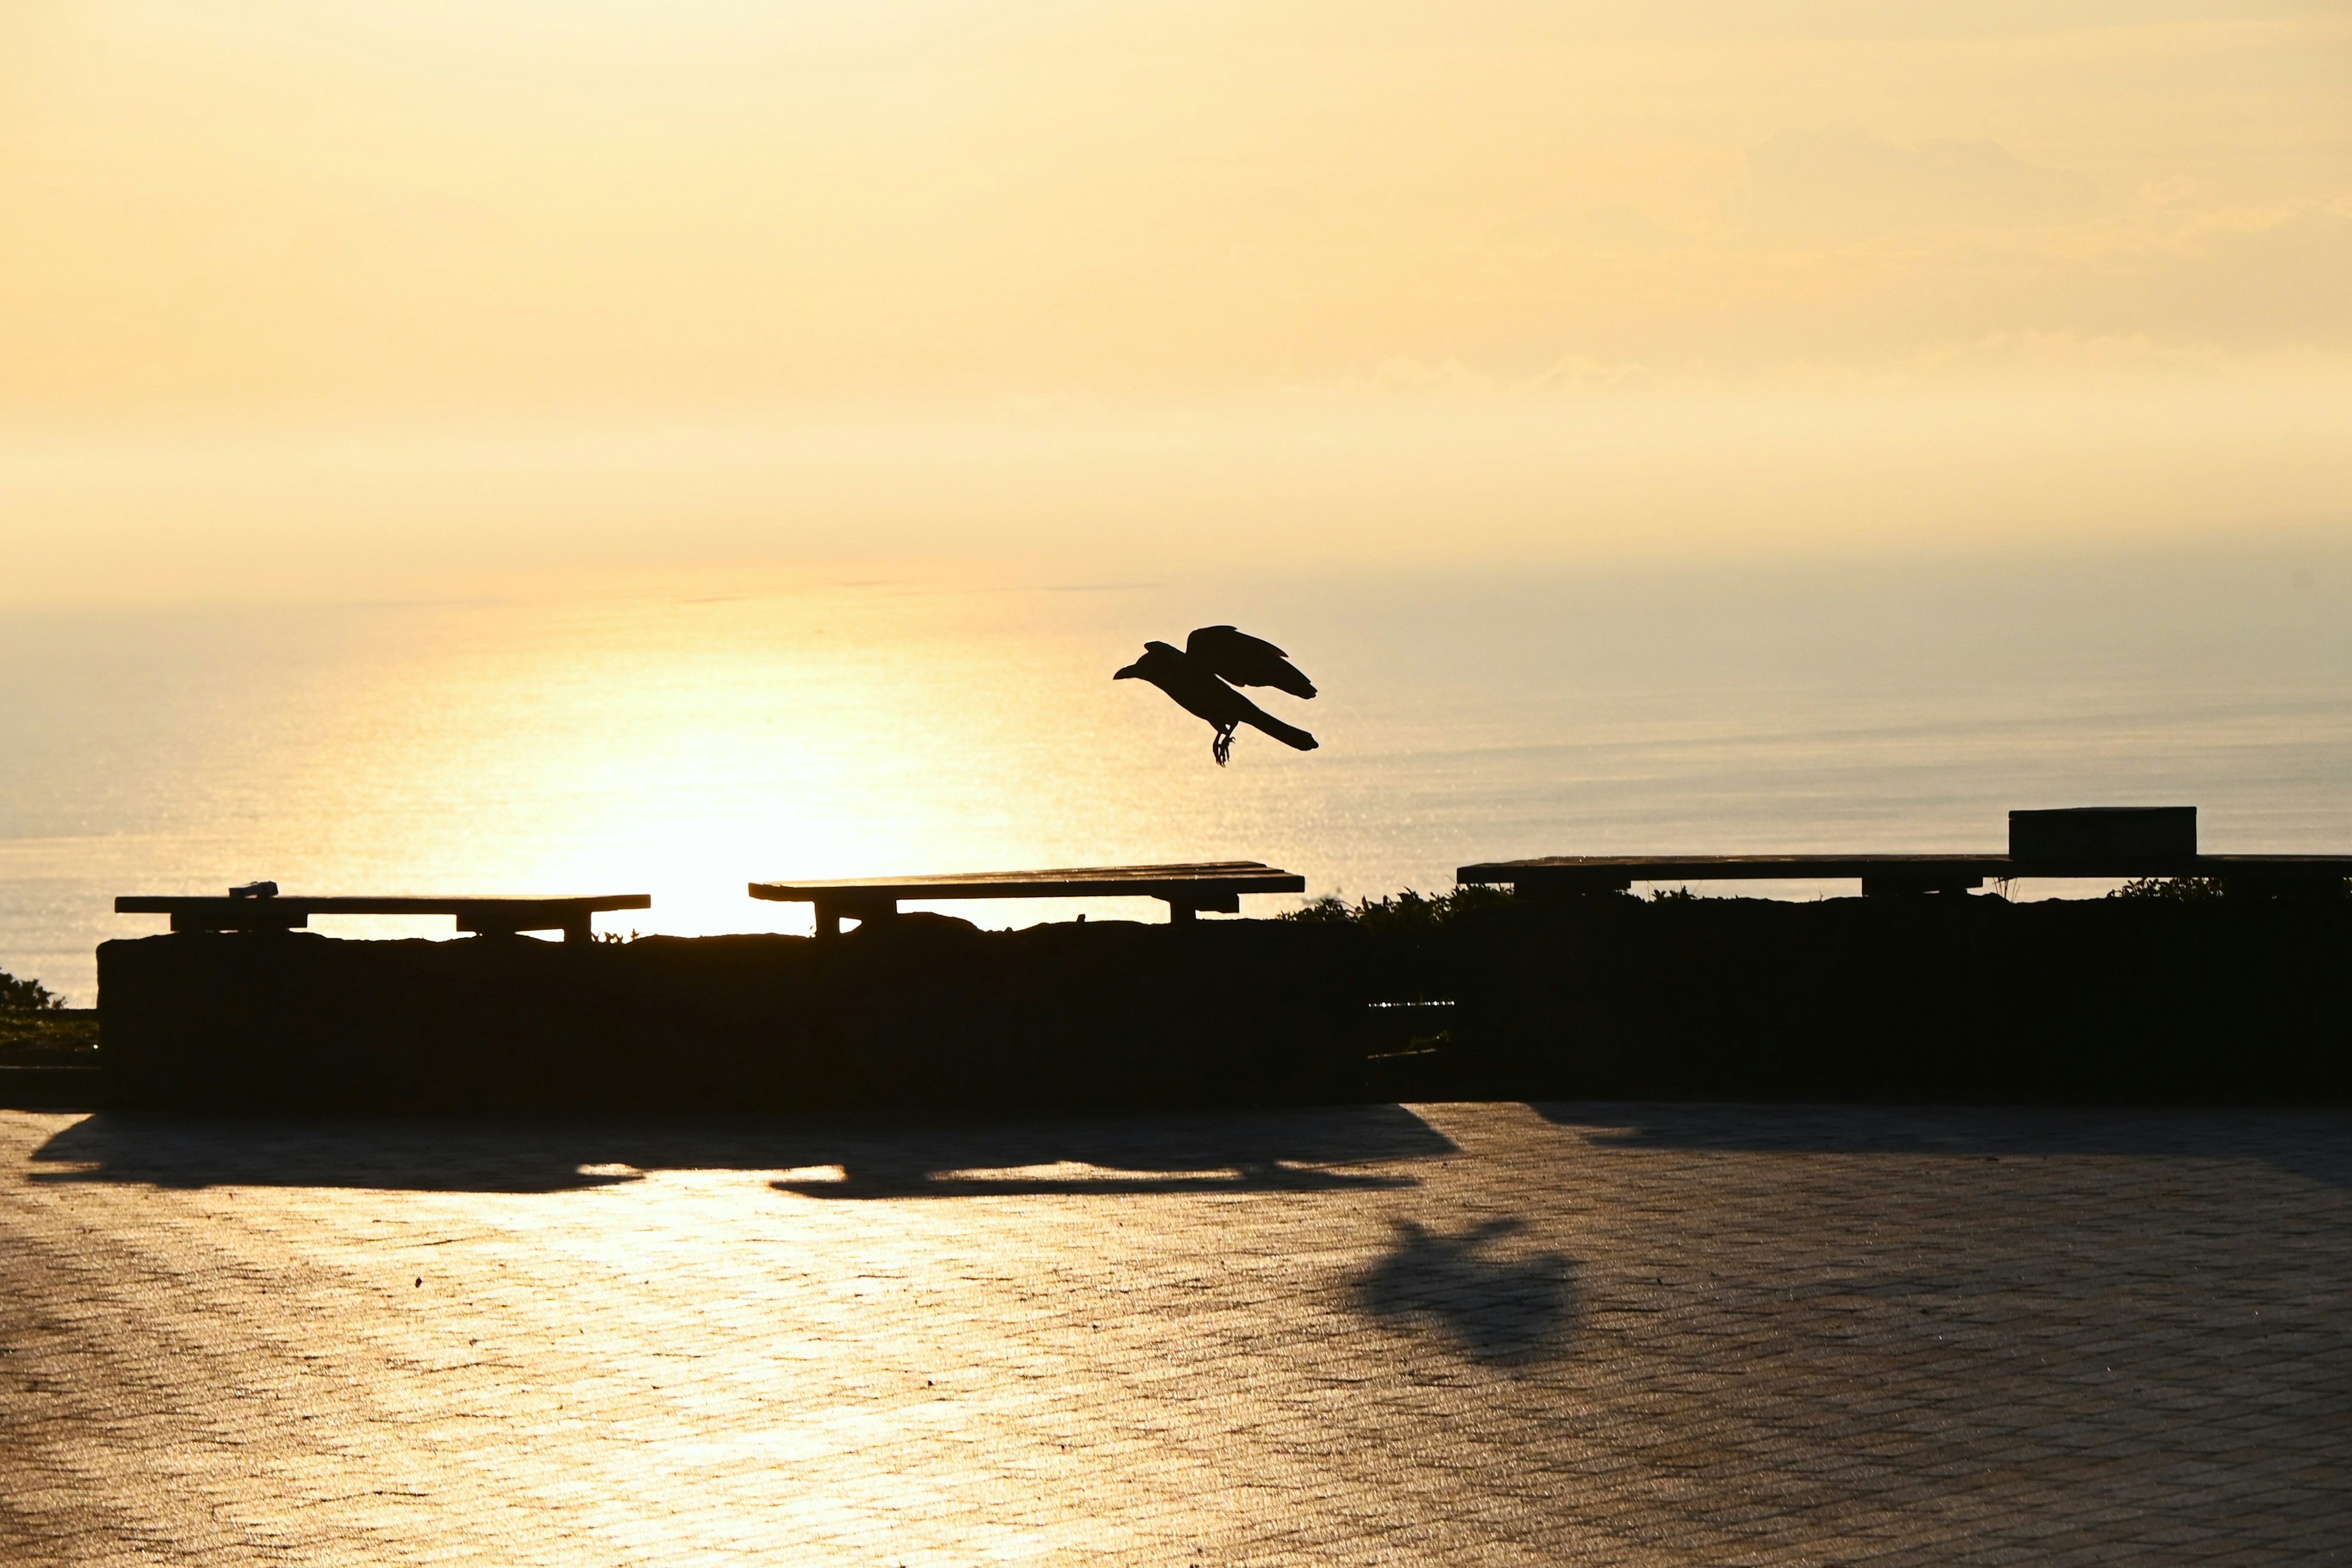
[[1196, 677], [921, 1010], [1933, 998]]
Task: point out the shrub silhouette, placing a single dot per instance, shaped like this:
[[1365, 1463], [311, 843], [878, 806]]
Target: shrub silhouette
[[1411, 944], [2206, 889], [27, 995]]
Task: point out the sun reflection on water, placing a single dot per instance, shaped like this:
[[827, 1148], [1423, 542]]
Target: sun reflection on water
[[683, 749], [685, 745]]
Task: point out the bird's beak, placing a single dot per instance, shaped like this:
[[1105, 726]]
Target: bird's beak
[[1130, 673]]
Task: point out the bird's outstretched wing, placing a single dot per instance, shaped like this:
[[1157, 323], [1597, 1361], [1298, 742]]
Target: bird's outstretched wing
[[1246, 660]]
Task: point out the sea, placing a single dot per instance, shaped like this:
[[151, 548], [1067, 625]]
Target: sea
[[683, 739]]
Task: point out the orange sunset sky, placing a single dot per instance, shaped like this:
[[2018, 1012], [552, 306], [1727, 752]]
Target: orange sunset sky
[[329, 300]]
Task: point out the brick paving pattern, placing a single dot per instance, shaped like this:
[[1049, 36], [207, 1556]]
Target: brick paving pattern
[[1445, 1334]]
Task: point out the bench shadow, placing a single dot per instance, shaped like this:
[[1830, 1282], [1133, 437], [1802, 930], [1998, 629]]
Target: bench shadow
[[878, 1180], [2312, 1142], [1502, 1307], [1249, 1150]]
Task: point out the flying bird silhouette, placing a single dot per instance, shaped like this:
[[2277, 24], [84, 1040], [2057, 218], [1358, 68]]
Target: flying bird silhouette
[[1191, 675]]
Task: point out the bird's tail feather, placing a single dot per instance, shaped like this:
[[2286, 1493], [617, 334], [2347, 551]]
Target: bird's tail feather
[[1290, 679], [1288, 734]]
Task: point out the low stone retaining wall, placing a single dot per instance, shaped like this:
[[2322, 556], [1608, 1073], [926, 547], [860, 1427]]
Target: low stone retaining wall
[[1935, 998], [1943, 997], [919, 1012]]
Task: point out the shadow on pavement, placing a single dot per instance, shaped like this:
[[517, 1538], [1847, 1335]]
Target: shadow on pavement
[[879, 1179], [2316, 1142], [1493, 1306], [1230, 1152]]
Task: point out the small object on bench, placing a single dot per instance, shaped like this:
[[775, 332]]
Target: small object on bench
[[1216, 885], [254, 890], [483, 916]]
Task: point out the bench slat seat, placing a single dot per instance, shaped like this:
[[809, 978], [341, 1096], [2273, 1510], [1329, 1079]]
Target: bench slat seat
[[486, 915], [1888, 873], [1187, 887]]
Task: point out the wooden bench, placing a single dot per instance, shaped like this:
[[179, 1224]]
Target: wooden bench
[[1615, 873], [484, 915], [1894, 873], [1215, 885]]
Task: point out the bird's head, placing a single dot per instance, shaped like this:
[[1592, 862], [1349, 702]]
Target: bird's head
[[1155, 656]]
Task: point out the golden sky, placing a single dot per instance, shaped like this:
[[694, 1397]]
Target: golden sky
[[307, 298]]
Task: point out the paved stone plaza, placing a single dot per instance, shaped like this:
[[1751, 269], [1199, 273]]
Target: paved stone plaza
[[1446, 1334]]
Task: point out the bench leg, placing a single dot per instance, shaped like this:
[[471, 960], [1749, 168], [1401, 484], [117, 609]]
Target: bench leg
[[578, 931], [1182, 914], [830, 916]]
